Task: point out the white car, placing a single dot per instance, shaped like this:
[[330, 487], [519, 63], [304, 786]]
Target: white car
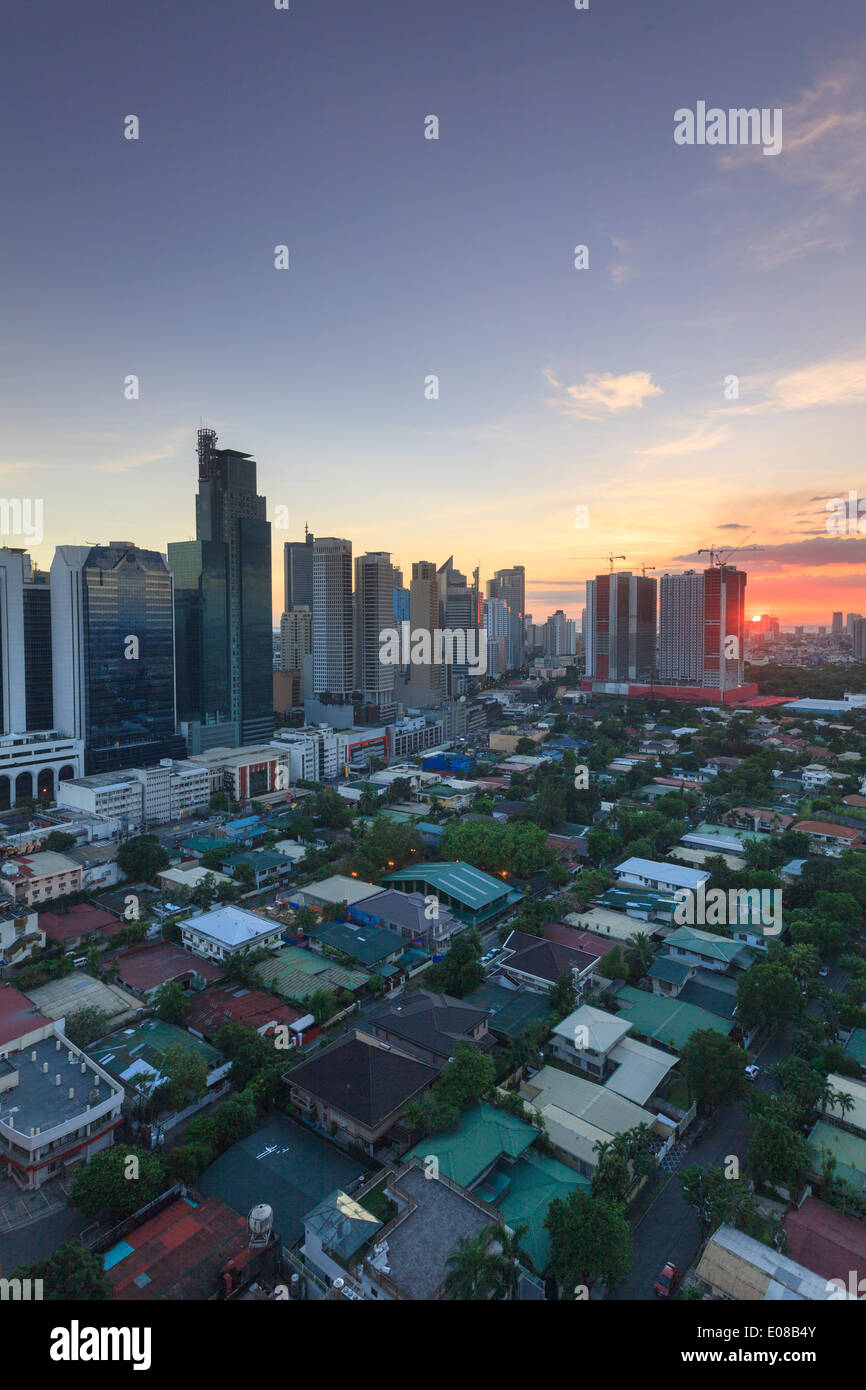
[[824, 972], [752, 1072]]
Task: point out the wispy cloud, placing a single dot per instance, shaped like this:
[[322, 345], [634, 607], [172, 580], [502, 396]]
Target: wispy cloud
[[698, 442], [836, 381], [601, 394]]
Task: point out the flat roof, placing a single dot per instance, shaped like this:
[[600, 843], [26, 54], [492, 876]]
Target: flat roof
[[38, 1101], [78, 990]]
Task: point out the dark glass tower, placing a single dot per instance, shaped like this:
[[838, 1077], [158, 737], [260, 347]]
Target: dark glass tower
[[223, 599], [298, 573]]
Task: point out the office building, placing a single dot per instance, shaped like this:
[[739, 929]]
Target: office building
[[26, 695], [298, 572], [850, 620], [223, 601], [510, 585], [112, 637], [296, 637]]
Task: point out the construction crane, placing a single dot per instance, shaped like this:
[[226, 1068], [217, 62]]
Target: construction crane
[[610, 559], [644, 568], [721, 557]]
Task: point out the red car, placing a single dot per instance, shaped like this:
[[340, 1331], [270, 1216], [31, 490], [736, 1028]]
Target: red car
[[667, 1281]]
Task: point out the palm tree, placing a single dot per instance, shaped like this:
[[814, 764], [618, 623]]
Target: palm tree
[[508, 1245], [843, 1101], [639, 954], [474, 1271]]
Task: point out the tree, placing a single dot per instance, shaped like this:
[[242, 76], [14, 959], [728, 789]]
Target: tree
[[719, 1200], [475, 1270], [638, 955], [141, 857], [713, 1068], [117, 1181], [170, 1002], [589, 1240], [776, 1154], [459, 972], [184, 1074], [467, 1077], [71, 1272], [768, 993], [58, 842], [322, 1004], [562, 997], [85, 1025]]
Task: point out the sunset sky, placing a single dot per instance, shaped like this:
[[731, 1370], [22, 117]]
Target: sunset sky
[[601, 388]]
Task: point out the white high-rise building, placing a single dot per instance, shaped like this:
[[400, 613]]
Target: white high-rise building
[[374, 614], [681, 628], [333, 660]]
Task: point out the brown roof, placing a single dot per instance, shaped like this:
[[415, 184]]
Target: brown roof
[[18, 1015], [821, 827], [544, 959], [253, 1007], [146, 967], [584, 941], [181, 1252], [81, 920], [826, 1241]]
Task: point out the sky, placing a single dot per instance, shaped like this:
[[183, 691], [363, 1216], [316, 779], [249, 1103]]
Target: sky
[[580, 412]]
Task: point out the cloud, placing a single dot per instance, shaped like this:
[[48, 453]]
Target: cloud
[[602, 393], [695, 443], [620, 273], [815, 552], [838, 381]]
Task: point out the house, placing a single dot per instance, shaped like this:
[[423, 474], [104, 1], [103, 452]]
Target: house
[[82, 925], [194, 1248], [135, 1056], [538, 962], [828, 1242], [257, 1009], [296, 973], [333, 892], [579, 1114], [829, 839], [852, 1116], [492, 1154], [705, 948], [358, 1089], [267, 865], [848, 1150], [427, 1026], [598, 1043], [736, 1266], [659, 877], [20, 934], [412, 916], [39, 877], [472, 895], [430, 1217], [183, 882], [65, 994], [668, 1022], [144, 968], [640, 903], [511, 1011], [57, 1106], [226, 930], [374, 948]]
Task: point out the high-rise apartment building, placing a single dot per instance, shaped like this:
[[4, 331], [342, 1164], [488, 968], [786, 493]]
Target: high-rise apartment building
[[560, 635], [296, 637], [838, 625], [701, 628], [458, 612], [850, 620], [223, 596], [621, 628], [26, 695], [858, 637], [333, 639], [374, 615], [112, 638]]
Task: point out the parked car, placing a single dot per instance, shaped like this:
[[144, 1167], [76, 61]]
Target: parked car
[[667, 1281], [824, 971], [752, 1072]]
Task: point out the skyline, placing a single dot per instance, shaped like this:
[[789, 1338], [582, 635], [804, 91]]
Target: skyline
[[560, 388]]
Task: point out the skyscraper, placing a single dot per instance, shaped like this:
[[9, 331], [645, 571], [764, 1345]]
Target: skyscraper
[[333, 645], [374, 614], [458, 613], [26, 696], [223, 598], [701, 628], [298, 572], [424, 682], [858, 637], [838, 625], [112, 632], [510, 585], [621, 628], [296, 637]]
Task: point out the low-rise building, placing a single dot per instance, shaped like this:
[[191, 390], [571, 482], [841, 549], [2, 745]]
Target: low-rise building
[[226, 930], [736, 1266], [20, 934], [37, 878]]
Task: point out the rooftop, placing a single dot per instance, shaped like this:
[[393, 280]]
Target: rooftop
[[363, 1081], [419, 1244], [481, 1136], [38, 1101]]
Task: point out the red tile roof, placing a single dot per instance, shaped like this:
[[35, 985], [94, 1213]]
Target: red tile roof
[[826, 1241], [821, 827], [18, 1015], [254, 1007], [80, 920], [182, 1251], [580, 940], [146, 967]]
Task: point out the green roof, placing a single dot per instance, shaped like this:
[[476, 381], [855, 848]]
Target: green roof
[[536, 1181], [663, 1020], [848, 1150], [459, 880], [645, 898], [510, 1010], [369, 945], [202, 843], [703, 943], [130, 1051], [856, 1046], [296, 973], [673, 972], [480, 1137]]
